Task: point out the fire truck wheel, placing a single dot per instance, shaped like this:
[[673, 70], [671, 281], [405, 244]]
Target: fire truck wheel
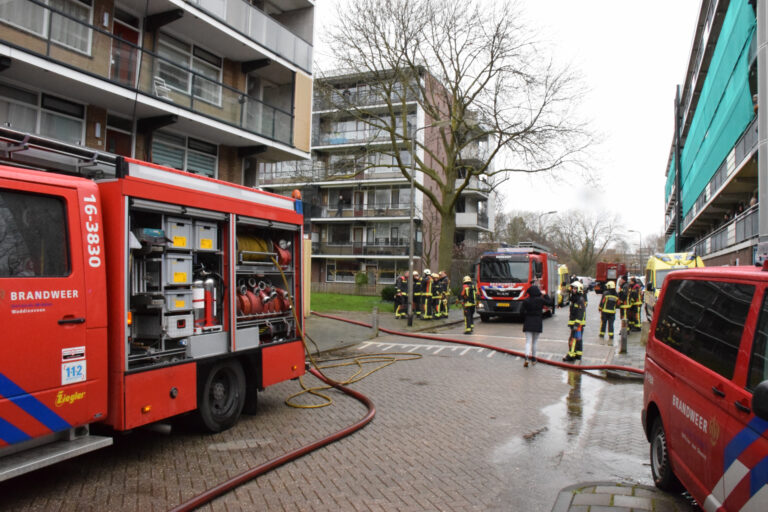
[[661, 469], [484, 317], [221, 396]]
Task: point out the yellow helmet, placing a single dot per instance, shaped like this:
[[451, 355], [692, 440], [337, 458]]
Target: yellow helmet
[[466, 279], [579, 287], [610, 285]]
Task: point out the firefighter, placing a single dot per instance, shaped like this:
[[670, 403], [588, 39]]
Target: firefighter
[[623, 298], [427, 289], [576, 321], [468, 298], [445, 290], [637, 304], [632, 298], [608, 310], [401, 297], [416, 299]]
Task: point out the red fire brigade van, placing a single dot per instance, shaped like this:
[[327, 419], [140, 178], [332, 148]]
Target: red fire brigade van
[[705, 407], [504, 276], [130, 300]]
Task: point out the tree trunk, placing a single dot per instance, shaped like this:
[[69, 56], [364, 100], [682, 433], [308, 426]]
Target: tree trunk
[[445, 246]]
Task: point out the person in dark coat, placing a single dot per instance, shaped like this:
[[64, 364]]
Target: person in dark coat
[[533, 306]]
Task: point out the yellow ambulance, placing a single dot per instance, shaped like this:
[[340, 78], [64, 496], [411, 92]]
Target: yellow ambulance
[[658, 267]]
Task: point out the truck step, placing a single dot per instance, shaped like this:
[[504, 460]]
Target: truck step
[[45, 455]]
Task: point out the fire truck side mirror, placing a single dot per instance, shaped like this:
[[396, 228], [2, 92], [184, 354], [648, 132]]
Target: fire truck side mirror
[[760, 400]]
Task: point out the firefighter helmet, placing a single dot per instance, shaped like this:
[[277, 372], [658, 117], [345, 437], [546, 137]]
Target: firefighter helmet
[[427, 272], [415, 273], [466, 279], [579, 287], [610, 285]]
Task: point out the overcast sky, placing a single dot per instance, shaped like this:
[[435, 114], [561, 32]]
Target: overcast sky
[[631, 56]]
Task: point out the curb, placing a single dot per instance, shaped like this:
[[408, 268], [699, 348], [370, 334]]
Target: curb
[[611, 496]]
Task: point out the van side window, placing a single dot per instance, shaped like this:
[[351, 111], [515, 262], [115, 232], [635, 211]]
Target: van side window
[[33, 235], [758, 369], [704, 320]]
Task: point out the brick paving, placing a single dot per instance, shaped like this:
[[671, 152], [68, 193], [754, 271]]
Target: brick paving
[[451, 433]]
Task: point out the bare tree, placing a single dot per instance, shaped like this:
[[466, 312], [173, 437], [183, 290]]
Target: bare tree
[[583, 238], [478, 76]]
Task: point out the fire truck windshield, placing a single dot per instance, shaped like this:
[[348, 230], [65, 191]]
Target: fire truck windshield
[[503, 270]]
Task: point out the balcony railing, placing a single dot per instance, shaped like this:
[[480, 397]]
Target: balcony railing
[[475, 186], [370, 210], [340, 99], [109, 57], [400, 248], [743, 147], [475, 152], [329, 138], [318, 171], [258, 26], [471, 220], [740, 229]]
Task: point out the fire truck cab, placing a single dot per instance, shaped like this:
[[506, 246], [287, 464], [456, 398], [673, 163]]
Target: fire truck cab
[[504, 276], [134, 299]]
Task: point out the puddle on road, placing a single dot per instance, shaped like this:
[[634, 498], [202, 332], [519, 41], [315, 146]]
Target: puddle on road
[[565, 421]]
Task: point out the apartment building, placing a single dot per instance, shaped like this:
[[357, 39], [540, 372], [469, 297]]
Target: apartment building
[[712, 204], [211, 87], [359, 218]]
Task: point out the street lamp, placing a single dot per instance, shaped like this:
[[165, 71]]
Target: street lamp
[[541, 216], [639, 250]]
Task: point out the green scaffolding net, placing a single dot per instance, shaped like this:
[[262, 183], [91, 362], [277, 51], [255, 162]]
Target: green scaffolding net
[[724, 109]]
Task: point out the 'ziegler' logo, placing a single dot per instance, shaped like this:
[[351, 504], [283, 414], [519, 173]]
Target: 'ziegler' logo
[[62, 398]]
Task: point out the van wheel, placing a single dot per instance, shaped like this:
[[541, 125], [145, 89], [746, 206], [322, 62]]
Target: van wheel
[[221, 396], [484, 317], [661, 468]]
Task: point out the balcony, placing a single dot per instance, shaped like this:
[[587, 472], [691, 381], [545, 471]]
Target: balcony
[[476, 188], [471, 220], [250, 24], [367, 211], [476, 153], [341, 99], [164, 86], [326, 138], [741, 229], [309, 172], [734, 180], [388, 247]]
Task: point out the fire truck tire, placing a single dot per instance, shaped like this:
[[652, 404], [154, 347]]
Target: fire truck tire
[[484, 317], [661, 469], [221, 396]]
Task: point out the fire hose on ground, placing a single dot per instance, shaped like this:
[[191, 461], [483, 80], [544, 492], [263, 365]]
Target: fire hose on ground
[[257, 471]]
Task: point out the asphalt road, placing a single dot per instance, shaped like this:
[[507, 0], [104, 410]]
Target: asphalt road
[[458, 429]]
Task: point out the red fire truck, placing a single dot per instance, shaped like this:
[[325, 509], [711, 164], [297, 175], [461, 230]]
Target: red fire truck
[[130, 300], [504, 276], [607, 272]]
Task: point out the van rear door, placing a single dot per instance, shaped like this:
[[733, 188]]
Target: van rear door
[[45, 383]]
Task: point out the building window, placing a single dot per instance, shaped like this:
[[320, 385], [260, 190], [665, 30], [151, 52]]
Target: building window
[[18, 109], [341, 271], [339, 235], [184, 153], [62, 119], [59, 119], [176, 62], [71, 29]]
